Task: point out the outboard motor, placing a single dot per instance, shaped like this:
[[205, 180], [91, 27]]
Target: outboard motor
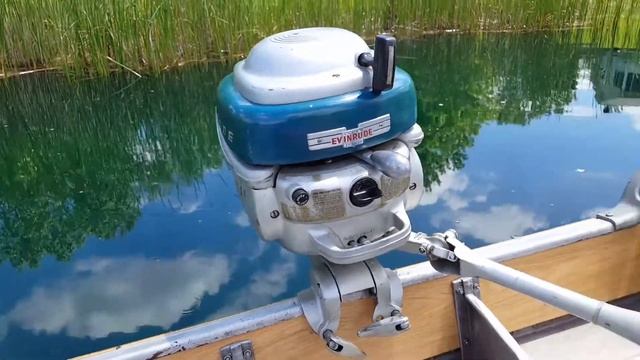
[[320, 132]]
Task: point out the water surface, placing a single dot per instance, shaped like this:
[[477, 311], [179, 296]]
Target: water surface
[[118, 219]]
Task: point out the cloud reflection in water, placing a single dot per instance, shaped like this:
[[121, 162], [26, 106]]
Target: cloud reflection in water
[[106, 295], [497, 223]]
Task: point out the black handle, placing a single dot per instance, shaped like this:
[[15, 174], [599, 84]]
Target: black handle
[[383, 62]]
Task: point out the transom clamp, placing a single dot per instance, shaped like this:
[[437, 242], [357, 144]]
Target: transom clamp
[[331, 283]]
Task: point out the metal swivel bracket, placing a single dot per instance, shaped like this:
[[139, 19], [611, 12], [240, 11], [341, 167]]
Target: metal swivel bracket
[[331, 283]]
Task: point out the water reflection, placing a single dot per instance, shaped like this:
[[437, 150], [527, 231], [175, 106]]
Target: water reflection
[[519, 135], [80, 160], [492, 224], [616, 80], [465, 81], [450, 188], [94, 301], [263, 287]]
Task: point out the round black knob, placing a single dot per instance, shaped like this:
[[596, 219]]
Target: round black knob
[[364, 191], [300, 197]]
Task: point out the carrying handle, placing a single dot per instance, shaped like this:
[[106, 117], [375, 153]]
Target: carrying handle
[[327, 241], [383, 62]]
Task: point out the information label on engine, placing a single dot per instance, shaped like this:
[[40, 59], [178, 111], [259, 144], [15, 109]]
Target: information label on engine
[[343, 137]]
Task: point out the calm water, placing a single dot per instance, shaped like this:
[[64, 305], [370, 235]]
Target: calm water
[[119, 220]]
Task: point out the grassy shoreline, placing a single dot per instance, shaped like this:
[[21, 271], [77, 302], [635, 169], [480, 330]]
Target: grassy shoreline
[[148, 36]]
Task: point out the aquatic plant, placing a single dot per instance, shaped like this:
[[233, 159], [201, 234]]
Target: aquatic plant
[[148, 35]]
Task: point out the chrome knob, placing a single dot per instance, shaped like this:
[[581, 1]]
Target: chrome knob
[[391, 163]]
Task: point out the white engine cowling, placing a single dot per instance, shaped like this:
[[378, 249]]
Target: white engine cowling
[[332, 208]]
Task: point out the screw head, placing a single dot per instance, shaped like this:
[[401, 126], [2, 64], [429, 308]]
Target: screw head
[[227, 357], [247, 354], [363, 240], [274, 214]]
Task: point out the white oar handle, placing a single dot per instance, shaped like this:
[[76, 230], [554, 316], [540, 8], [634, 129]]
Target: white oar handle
[[621, 321]]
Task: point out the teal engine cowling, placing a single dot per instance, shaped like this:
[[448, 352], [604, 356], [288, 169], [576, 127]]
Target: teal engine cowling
[[311, 94]]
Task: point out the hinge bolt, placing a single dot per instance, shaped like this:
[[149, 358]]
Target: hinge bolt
[[333, 345]]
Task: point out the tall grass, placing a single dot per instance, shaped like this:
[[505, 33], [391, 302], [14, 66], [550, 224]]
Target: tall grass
[[151, 35]]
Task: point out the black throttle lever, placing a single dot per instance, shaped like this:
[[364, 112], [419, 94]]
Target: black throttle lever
[[383, 62]]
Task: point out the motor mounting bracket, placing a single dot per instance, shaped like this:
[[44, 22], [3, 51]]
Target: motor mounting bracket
[[331, 283]]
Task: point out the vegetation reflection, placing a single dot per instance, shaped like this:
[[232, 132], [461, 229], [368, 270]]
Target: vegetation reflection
[[79, 159], [465, 81]]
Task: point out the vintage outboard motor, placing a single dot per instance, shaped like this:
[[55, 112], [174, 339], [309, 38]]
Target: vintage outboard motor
[[320, 133]]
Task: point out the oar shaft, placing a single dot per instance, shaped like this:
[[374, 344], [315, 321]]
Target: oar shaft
[[621, 321]]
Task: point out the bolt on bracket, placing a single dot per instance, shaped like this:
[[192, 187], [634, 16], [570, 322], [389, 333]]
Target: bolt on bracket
[[242, 350]]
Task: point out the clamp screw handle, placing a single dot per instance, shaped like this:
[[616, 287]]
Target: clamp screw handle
[[342, 347], [390, 326]]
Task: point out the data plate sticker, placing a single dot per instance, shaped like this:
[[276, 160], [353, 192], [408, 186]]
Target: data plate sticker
[[343, 137]]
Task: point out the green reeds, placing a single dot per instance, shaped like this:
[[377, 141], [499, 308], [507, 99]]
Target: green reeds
[[150, 35]]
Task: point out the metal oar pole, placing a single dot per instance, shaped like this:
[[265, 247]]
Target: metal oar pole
[[621, 321], [452, 256]]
